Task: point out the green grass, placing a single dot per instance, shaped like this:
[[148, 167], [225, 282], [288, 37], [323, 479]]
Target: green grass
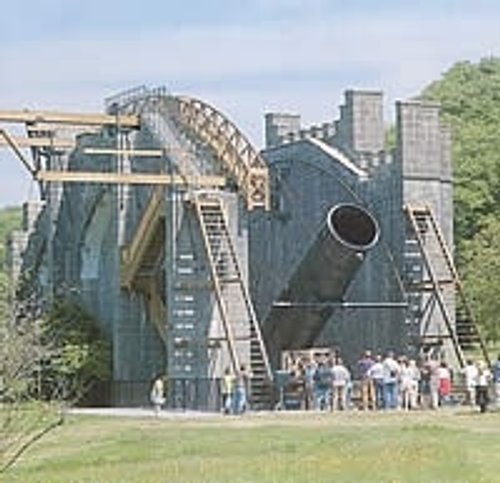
[[421, 447], [21, 423]]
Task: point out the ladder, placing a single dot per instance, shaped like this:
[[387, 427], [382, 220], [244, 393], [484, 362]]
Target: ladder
[[240, 325], [439, 279]]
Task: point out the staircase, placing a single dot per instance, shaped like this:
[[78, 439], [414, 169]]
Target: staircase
[[147, 241], [437, 280], [141, 259], [240, 325]]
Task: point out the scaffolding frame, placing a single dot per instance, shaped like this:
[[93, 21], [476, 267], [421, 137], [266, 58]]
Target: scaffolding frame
[[421, 220]]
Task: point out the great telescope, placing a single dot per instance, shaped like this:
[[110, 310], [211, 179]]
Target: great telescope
[[322, 276]]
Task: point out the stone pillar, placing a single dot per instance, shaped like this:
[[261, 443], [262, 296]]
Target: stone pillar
[[278, 126]]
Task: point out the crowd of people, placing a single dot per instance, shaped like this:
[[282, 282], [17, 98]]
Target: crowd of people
[[325, 382], [390, 382]]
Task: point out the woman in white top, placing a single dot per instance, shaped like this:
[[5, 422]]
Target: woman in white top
[[470, 373], [158, 394], [405, 384]]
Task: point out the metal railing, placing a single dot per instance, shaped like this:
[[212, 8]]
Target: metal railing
[[194, 393]]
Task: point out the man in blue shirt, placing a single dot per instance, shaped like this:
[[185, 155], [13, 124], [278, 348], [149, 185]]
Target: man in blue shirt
[[323, 385]]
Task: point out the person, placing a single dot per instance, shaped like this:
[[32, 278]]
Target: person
[[496, 381], [157, 395], [482, 382], [367, 385], [322, 385], [414, 384], [425, 386], [241, 390], [470, 374], [340, 382], [376, 374], [433, 367], [391, 376], [228, 381], [405, 384], [309, 385], [444, 376]]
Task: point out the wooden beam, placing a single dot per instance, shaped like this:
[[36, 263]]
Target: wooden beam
[[11, 142], [41, 142], [72, 119], [54, 128], [145, 153], [129, 178]]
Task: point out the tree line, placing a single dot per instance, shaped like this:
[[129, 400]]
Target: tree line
[[469, 94]]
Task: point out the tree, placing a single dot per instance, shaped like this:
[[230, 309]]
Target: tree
[[81, 354], [481, 262], [469, 95], [10, 219], [23, 417]]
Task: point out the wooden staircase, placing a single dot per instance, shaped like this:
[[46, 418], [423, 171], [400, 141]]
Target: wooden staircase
[[439, 279], [147, 241], [232, 298], [141, 259]]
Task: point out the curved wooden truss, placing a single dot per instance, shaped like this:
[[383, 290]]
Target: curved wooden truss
[[238, 157]]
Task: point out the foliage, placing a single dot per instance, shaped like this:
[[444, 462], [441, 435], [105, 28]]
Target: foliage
[[81, 353], [10, 219], [423, 446], [481, 262], [21, 356], [23, 419], [390, 139], [469, 95]]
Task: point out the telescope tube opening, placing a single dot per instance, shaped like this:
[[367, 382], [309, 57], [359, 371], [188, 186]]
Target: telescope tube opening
[[353, 226]]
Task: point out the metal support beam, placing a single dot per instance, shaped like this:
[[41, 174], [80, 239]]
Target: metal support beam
[[72, 119], [130, 178], [341, 305]]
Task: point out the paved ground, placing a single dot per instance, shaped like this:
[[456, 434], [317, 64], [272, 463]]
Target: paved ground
[[206, 415], [143, 413]]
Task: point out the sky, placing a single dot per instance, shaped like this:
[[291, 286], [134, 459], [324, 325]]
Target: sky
[[246, 57]]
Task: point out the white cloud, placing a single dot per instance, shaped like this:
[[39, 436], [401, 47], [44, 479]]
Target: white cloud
[[300, 65]]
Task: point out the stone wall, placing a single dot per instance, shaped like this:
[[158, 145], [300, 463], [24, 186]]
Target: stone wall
[[419, 172]]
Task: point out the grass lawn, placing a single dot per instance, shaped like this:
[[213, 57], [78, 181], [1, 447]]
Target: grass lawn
[[447, 446]]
